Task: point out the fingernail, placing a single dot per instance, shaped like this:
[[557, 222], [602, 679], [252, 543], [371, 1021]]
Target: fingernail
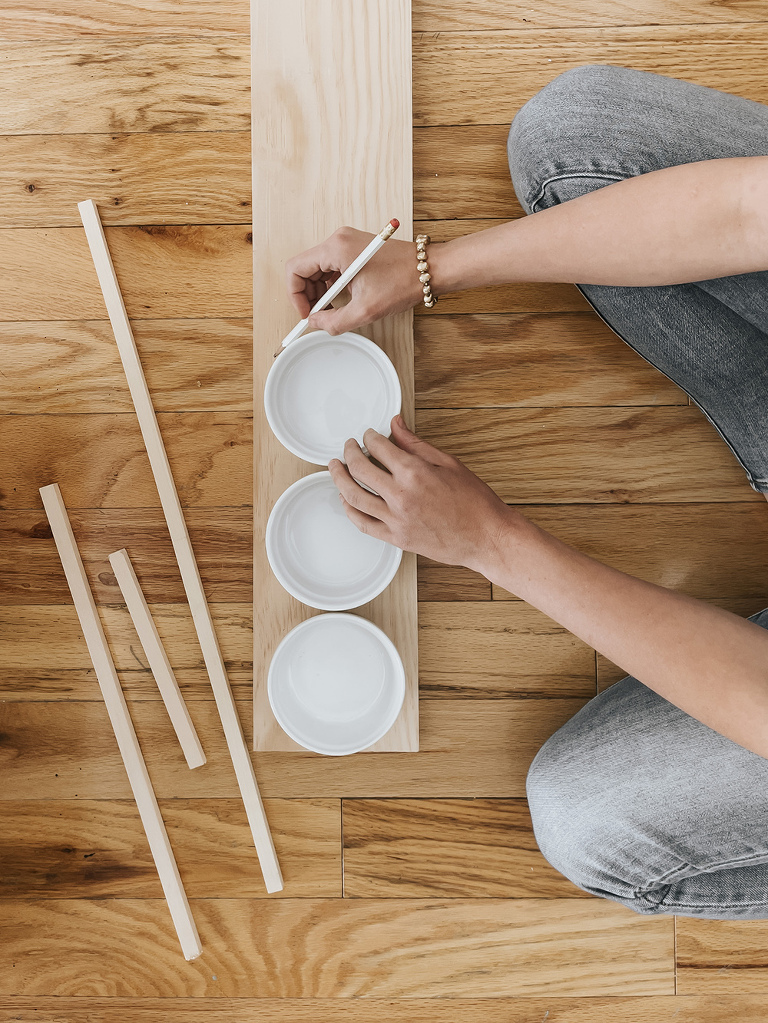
[[400, 421]]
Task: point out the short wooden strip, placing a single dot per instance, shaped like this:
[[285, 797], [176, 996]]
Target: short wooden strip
[[159, 664], [402, 949], [722, 957], [193, 85], [82, 848], [468, 748], [174, 517], [445, 848], [121, 723]]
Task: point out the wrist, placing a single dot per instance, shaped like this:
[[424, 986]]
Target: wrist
[[443, 267], [505, 534]]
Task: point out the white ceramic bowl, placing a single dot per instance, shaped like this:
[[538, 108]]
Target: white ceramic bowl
[[316, 553], [336, 684], [322, 390]]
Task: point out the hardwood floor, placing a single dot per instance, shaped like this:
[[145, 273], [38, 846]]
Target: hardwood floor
[[414, 889]]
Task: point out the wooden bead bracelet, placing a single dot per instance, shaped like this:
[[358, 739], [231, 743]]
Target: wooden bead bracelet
[[422, 240]]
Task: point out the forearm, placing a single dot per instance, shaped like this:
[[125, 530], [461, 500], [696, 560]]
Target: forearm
[[689, 223], [710, 663]]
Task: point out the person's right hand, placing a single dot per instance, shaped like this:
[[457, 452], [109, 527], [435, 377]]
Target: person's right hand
[[388, 283]]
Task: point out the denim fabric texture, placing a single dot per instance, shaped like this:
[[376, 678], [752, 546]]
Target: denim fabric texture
[[633, 799]]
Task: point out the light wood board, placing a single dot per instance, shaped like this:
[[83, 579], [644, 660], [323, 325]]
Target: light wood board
[[331, 146]]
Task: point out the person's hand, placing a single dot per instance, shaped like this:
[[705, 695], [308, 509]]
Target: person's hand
[[388, 283], [426, 500]]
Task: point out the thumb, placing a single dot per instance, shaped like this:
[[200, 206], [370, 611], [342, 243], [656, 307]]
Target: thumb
[[408, 441], [335, 321]]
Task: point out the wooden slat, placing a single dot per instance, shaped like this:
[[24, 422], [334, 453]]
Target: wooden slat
[[473, 650], [346, 67], [468, 748], [529, 1009], [534, 360], [298, 948], [85, 849], [722, 957], [707, 550], [445, 848], [450, 582], [473, 77], [461, 15], [60, 19], [666, 455], [101, 460], [141, 84], [190, 272], [165, 178], [71, 366]]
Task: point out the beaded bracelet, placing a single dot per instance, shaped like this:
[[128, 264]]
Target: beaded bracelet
[[422, 240]]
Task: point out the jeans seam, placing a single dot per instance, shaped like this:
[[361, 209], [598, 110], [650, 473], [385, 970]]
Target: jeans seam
[[595, 175]]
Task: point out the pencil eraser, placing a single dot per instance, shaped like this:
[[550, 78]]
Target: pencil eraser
[[395, 223]]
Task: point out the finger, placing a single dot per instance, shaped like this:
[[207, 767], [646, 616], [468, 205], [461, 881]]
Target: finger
[[384, 451], [354, 494], [305, 267], [408, 441], [337, 321], [363, 469], [365, 523]]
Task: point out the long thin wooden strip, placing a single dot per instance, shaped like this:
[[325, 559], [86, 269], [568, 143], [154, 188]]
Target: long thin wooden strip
[[159, 664], [121, 722], [174, 517]]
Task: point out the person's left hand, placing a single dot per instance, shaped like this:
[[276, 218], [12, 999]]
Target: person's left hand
[[425, 500]]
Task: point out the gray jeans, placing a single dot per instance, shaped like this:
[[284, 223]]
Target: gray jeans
[[633, 799]]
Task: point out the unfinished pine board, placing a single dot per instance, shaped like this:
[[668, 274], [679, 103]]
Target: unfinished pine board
[[65, 19], [331, 146], [122, 726], [403, 948], [468, 748], [182, 546], [136, 178], [81, 848], [474, 77], [445, 848], [722, 957], [535, 360], [192, 85], [154, 651]]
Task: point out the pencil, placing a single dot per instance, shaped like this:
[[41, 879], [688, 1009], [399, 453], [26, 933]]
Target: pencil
[[354, 267]]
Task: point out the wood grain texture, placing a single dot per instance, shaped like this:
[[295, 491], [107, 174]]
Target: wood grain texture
[[553, 456], [468, 748], [59, 19], [135, 178], [473, 650], [461, 15], [403, 949], [73, 366], [722, 957], [473, 77], [165, 272], [450, 582], [445, 848], [86, 849], [330, 76], [102, 462], [142, 85], [529, 1009], [532, 360]]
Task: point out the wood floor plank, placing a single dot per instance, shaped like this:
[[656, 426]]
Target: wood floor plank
[[20, 682], [722, 957], [595, 455], [471, 77], [61, 19], [299, 948], [87, 849], [468, 748], [618, 1009], [495, 15], [705, 550], [100, 459], [142, 84], [532, 360], [192, 272], [74, 366], [470, 650], [450, 582], [134, 178], [445, 848]]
